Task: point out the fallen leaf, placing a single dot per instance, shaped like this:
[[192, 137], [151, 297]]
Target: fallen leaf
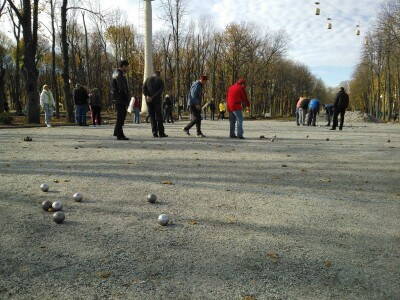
[[328, 264], [249, 298], [273, 256], [104, 275], [168, 182], [193, 222]]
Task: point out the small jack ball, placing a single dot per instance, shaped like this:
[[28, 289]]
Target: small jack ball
[[59, 217], [46, 205], [44, 187], [151, 198]]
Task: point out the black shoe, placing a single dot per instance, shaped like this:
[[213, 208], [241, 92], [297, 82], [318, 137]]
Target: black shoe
[[155, 136], [187, 131], [340, 129], [233, 137], [163, 135], [241, 138], [122, 138], [200, 135], [332, 129]]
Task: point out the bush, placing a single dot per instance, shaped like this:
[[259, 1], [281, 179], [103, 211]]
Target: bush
[[5, 118]]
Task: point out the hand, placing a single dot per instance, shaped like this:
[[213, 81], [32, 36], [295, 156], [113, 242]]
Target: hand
[[198, 106], [149, 99]]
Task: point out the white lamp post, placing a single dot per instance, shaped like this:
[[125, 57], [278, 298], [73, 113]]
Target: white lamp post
[[148, 47]]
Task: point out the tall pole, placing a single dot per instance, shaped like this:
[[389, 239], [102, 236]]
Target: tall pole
[[148, 48]]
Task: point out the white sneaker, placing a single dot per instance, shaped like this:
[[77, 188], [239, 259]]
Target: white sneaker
[[49, 125]]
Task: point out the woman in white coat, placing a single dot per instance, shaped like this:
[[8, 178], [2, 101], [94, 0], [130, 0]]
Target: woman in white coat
[[47, 103]]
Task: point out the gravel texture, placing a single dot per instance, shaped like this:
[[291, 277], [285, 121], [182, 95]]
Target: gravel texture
[[297, 218]]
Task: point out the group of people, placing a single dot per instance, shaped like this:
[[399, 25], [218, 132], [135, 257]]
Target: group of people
[[153, 89], [307, 110]]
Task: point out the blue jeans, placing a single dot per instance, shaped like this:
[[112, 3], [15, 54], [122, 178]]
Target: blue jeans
[[136, 116], [80, 114], [236, 122], [48, 113]]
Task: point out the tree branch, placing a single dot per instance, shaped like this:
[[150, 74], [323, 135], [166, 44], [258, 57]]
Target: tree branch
[[85, 9], [15, 9]]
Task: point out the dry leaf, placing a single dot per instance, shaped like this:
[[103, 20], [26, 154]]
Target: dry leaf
[[328, 264], [193, 222], [167, 182], [249, 298], [273, 256], [104, 275]]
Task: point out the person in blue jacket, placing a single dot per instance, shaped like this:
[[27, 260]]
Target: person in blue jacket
[[313, 110], [194, 103]]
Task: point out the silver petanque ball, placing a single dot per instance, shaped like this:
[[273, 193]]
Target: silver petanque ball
[[78, 197], [46, 205], [163, 220], [58, 217], [57, 205], [44, 187], [151, 198]]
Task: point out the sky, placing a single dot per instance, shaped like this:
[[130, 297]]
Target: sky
[[330, 54]]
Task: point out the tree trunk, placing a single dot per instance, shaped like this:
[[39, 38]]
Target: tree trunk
[[53, 59]]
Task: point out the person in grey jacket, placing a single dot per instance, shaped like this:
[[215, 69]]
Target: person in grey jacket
[[194, 103]]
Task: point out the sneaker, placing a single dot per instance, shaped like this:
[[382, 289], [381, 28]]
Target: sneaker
[[48, 125], [187, 131]]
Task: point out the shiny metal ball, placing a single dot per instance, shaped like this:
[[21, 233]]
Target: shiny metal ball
[[151, 198], [44, 187], [78, 197], [57, 205], [163, 220], [58, 217], [46, 205]]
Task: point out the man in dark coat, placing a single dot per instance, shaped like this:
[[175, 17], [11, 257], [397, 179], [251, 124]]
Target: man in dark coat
[[153, 88], [212, 110], [168, 108], [340, 106], [120, 93], [81, 98]]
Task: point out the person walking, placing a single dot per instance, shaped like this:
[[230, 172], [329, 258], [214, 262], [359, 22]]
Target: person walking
[[168, 108], [194, 103], [222, 111], [212, 110], [153, 88], [341, 104], [329, 110], [120, 94], [95, 106], [313, 110], [81, 98], [237, 100], [299, 112], [48, 104]]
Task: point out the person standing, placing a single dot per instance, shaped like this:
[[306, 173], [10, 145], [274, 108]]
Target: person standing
[[237, 100], [212, 110], [205, 109], [169, 106], [222, 110], [341, 104], [153, 88], [299, 112], [95, 106], [120, 93], [47, 103], [194, 103], [304, 107], [329, 113], [137, 106], [313, 110], [81, 98]]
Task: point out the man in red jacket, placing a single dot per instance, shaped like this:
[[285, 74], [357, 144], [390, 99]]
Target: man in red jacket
[[236, 100]]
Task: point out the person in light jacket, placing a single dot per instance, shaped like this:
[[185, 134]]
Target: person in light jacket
[[47, 103]]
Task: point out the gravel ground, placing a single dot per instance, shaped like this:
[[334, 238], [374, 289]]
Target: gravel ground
[[297, 218]]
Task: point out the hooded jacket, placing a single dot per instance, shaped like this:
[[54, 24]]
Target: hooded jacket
[[46, 98], [237, 97], [119, 88]]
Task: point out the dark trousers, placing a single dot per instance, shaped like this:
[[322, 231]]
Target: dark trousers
[[80, 114], [312, 117], [212, 115], [156, 117], [329, 117], [196, 119], [96, 115], [221, 115], [232, 124], [336, 114], [168, 116], [121, 115]]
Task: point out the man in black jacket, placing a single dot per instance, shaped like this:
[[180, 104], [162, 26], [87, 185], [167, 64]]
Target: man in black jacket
[[340, 106], [153, 88], [120, 92], [81, 98], [168, 108]]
